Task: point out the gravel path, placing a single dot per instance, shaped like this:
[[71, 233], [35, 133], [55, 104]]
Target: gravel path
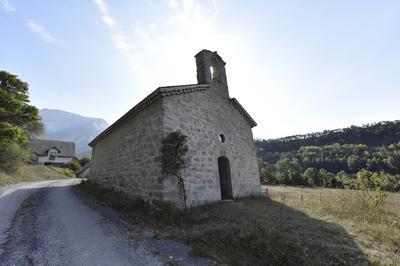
[[12, 196], [45, 223]]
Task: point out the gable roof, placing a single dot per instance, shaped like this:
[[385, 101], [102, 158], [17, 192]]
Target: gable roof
[[162, 92], [42, 146], [243, 112]]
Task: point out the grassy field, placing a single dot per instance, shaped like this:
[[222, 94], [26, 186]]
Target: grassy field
[[30, 173], [374, 229], [287, 226]]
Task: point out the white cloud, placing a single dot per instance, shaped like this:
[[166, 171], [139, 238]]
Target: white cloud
[[7, 5], [121, 42], [105, 13], [101, 5], [167, 47], [119, 38], [41, 32], [108, 20]]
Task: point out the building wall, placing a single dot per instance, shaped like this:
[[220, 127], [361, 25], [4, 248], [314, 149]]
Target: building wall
[[126, 160], [202, 116], [57, 160]]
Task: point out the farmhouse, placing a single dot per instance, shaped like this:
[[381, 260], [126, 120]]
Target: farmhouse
[[222, 157], [52, 151]]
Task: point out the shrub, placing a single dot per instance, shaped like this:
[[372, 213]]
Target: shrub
[[173, 159], [74, 165], [345, 179], [68, 172], [380, 198]]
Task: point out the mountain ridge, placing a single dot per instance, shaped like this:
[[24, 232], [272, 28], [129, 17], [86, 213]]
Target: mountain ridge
[[68, 126], [373, 135]]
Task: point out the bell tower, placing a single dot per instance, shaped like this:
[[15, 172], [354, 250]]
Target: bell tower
[[210, 68]]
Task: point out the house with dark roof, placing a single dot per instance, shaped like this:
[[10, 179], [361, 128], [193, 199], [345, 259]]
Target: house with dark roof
[[52, 151], [222, 157]]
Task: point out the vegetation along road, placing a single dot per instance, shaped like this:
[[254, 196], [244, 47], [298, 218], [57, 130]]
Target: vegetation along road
[[45, 223]]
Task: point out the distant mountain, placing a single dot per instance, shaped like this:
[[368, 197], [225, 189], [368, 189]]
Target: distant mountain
[[62, 125]]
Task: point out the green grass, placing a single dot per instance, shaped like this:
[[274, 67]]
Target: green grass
[[30, 173], [289, 226]]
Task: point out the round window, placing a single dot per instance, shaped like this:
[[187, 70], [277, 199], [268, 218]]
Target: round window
[[221, 138]]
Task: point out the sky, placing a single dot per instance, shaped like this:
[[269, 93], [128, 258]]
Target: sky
[[297, 66]]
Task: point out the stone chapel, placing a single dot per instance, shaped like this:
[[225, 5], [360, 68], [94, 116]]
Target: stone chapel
[[222, 156]]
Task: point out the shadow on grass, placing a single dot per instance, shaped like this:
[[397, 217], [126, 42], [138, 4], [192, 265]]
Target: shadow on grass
[[249, 231], [259, 231]]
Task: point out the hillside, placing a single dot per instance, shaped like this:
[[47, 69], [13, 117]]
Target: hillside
[[372, 135], [31, 173], [62, 125], [355, 157]]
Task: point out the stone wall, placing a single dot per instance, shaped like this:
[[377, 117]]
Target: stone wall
[[126, 159], [203, 116]]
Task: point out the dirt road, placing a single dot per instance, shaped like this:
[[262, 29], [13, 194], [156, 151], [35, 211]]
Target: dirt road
[[45, 223]]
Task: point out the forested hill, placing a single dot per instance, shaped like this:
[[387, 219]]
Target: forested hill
[[372, 135], [354, 157]]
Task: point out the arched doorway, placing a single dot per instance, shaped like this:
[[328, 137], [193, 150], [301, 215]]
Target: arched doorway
[[225, 178]]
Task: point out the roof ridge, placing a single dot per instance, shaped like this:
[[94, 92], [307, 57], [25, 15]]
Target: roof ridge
[[52, 140], [184, 86], [159, 92]]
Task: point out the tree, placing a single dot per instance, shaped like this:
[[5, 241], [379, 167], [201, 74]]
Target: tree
[[327, 178], [311, 177], [83, 161], [173, 161], [345, 179], [266, 172], [365, 180], [355, 163], [289, 171], [18, 121], [18, 118], [393, 161]]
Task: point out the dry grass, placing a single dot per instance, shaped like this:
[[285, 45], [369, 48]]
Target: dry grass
[[250, 231], [376, 229], [30, 173]]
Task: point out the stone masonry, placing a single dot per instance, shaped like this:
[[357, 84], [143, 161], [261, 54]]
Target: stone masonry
[[125, 156]]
